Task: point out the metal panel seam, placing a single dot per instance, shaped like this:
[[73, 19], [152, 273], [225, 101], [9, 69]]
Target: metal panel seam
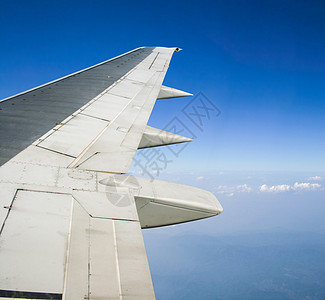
[[68, 251], [154, 60], [9, 209], [57, 152], [117, 262]]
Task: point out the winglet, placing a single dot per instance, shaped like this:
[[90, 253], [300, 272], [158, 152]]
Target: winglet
[[168, 93], [153, 137]]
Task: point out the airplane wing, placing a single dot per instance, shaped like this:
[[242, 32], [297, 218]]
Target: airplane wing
[[70, 220]]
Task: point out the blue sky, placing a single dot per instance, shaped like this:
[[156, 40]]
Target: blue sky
[[261, 63]]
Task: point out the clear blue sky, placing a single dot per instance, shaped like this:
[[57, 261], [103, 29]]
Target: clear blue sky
[[262, 65], [261, 62]]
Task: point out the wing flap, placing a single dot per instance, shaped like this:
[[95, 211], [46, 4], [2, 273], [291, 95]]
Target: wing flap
[[84, 245], [26, 250], [131, 252], [100, 255]]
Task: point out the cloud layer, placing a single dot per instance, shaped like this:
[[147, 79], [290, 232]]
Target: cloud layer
[[315, 178], [302, 186], [264, 188], [275, 188]]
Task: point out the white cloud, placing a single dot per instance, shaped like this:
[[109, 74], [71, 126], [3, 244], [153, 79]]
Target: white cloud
[[200, 178], [225, 190], [222, 187], [280, 188], [275, 188], [306, 186], [231, 190], [315, 178], [302, 186], [225, 193], [243, 188]]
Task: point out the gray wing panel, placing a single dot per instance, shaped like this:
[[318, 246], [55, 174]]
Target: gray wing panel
[[29, 115]]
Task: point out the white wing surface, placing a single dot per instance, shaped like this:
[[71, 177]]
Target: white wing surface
[[70, 224]]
